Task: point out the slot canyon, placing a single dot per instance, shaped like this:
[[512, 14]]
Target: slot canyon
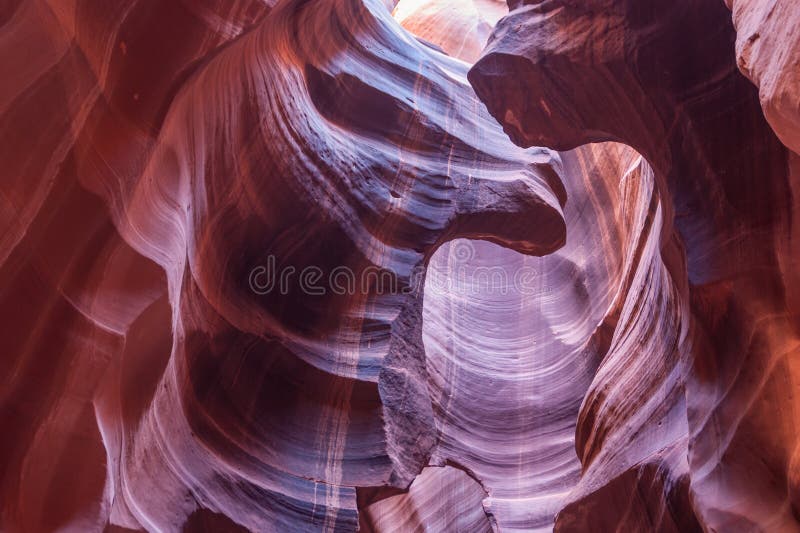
[[400, 266]]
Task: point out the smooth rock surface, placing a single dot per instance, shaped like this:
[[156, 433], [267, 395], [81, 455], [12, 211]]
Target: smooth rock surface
[[662, 78], [459, 27], [289, 266], [768, 52], [171, 386]]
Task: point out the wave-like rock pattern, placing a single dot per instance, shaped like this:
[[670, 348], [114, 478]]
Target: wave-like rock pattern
[[310, 136], [275, 266], [316, 161], [515, 344], [81, 103], [662, 77], [517, 360]]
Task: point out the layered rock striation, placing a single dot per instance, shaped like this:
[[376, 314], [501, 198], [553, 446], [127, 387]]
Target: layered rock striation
[[663, 79], [289, 266], [183, 382]]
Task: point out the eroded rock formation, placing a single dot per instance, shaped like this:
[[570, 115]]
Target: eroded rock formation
[[459, 27], [768, 52], [527, 339], [204, 392], [277, 266], [563, 74]]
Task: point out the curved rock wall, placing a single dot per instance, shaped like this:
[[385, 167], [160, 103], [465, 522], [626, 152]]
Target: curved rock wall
[[277, 266], [82, 102], [459, 27], [768, 52], [516, 345], [205, 390], [664, 80]]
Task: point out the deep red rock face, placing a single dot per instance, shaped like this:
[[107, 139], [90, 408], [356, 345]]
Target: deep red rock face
[[288, 266]]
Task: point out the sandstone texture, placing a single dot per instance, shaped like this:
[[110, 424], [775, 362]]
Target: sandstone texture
[[460, 27], [415, 265], [663, 79], [768, 52]]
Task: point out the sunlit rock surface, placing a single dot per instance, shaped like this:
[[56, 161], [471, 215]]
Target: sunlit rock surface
[[768, 52], [515, 344], [439, 499], [459, 27], [172, 378], [662, 77], [278, 266]]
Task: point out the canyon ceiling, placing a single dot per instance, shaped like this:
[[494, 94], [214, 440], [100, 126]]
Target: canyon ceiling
[[427, 265]]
